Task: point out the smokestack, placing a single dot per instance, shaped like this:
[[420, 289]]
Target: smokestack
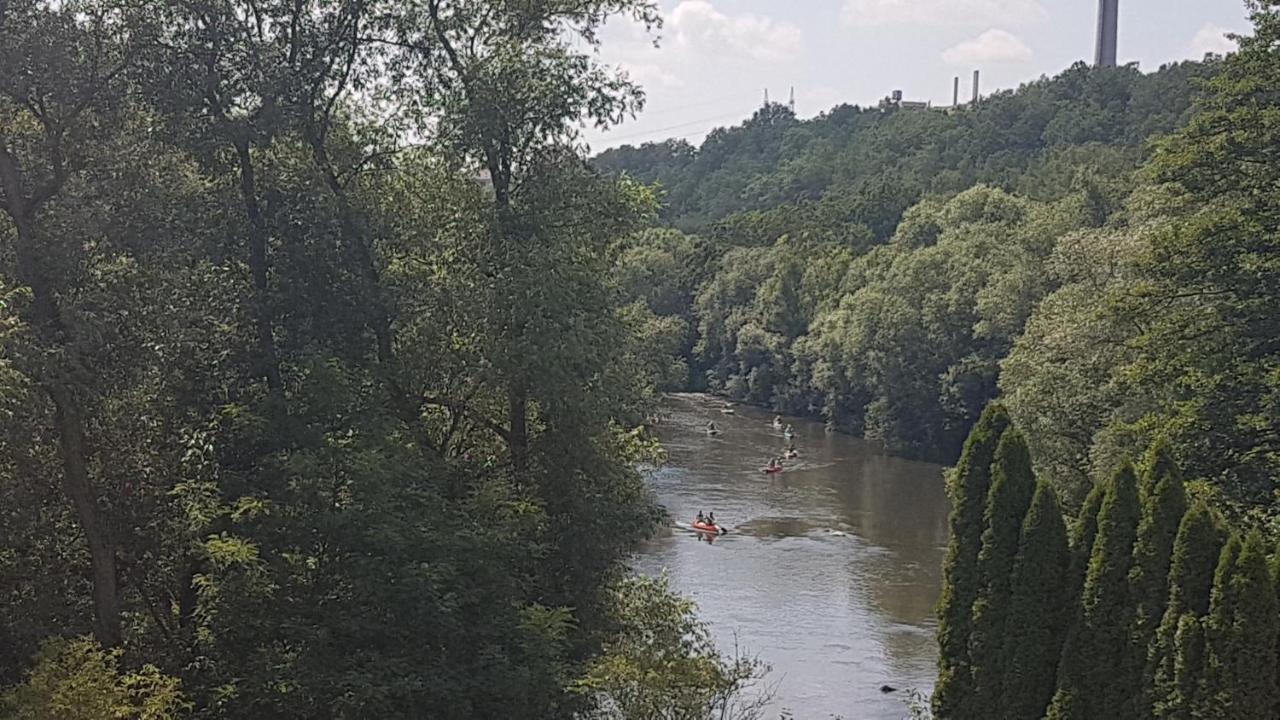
[[976, 74], [1108, 33], [955, 93]]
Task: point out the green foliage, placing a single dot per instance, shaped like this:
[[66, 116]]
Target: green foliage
[[1163, 331], [1059, 378], [660, 662], [1241, 633], [1164, 505], [1213, 274], [1012, 486], [1039, 610], [78, 680], [1187, 690], [371, 423], [1097, 676], [970, 484], [864, 166], [1084, 533], [1196, 549]]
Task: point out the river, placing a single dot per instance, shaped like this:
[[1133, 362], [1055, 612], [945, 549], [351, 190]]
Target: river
[[830, 571]]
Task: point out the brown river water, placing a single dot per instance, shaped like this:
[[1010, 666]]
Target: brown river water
[[830, 571]]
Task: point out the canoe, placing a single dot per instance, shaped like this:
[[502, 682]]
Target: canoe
[[704, 527]]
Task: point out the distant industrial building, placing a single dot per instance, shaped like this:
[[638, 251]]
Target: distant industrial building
[[1108, 33], [895, 99]]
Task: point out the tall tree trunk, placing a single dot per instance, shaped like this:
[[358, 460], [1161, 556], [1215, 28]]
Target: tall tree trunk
[[504, 238], [259, 266], [69, 420], [518, 411], [358, 241]]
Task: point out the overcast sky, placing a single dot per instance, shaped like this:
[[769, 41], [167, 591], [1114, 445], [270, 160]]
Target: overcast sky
[[715, 58]]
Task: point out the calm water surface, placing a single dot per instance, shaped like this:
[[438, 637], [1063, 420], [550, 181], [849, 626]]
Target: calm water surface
[[830, 571]]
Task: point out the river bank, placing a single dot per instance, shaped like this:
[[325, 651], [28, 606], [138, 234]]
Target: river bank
[[830, 571]]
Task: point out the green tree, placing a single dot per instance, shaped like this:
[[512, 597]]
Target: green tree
[[78, 680], [1241, 632], [1164, 505], [1083, 534], [969, 485], [1196, 550], [1186, 687], [1213, 277], [60, 105], [660, 662], [1095, 678], [1039, 610], [1012, 486]]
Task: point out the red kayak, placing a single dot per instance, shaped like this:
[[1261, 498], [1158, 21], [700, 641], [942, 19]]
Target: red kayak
[[771, 471], [708, 528]]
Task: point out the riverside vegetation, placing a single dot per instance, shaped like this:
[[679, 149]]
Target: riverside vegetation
[[325, 354], [301, 419], [1098, 249]]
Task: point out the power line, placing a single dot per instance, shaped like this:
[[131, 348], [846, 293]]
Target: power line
[[656, 131]]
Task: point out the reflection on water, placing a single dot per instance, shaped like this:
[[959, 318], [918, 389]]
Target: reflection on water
[[830, 571]]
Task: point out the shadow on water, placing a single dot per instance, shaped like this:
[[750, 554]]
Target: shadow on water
[[830, 570]]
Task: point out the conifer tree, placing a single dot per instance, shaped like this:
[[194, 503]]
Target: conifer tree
[[1185, 697], [1196, 550], [1164, 504], [969, 486], [1039, 609], [1083, 532], [1091, 679], [1275, 577], [1012, 485], [1240, 634]]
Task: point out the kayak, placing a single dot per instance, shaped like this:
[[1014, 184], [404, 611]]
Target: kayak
[[771, 471], [728, 411], [713, 433], [708, 528]]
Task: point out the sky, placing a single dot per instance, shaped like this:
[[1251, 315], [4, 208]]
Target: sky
[[715, 59]]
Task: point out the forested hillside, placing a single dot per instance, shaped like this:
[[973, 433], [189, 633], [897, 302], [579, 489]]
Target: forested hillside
[[855, 166], [895, 270]]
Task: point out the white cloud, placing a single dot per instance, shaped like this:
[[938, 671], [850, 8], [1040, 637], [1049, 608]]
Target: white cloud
[[870, 13], [698, 24], [992, 46], [652, 75], [1212, 39]]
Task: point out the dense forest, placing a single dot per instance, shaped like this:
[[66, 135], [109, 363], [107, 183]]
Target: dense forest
[[1162, 598], [877, 265], [1146, 606], [1096, 250], [1088, 246], [315, 397], [327, 359]]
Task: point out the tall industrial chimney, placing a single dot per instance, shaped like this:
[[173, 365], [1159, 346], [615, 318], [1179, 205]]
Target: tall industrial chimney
[[1108, 32], [975, 85], [955, 93]]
